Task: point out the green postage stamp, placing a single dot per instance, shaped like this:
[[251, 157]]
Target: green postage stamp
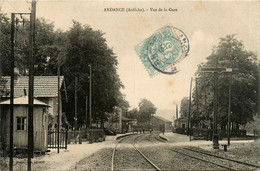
[[163, 50]]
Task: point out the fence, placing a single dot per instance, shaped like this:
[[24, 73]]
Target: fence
[[206, 134], [68, 137], [91, 135], [53, 139]]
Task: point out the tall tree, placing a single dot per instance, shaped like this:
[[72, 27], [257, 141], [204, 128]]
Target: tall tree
[[229, 53], [184, 107], [74, 50], [146, 110], [44, 46], [4, 50], [88, 47], [133, 113]]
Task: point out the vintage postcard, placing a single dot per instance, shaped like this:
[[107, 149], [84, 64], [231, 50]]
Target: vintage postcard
[[127, 85]]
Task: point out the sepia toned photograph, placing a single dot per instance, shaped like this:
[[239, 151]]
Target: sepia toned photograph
[[127, 85]]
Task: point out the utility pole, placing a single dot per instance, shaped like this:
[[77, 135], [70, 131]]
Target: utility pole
[[229, 107], [189, 119], [215, 71], [87, 112], [177, 114], [76, 101], [90, 95], [58, 119], [215, 106], [197, 100], [11, 126], [229, 100], [12, 96], [31, 84]]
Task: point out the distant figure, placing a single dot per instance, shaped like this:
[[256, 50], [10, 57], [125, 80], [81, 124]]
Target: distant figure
[[150, 131], [143, 131], [163, 131]]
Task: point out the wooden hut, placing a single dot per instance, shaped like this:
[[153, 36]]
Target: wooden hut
[[20, 134]]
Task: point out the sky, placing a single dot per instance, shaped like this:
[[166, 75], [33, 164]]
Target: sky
[[203, 22]]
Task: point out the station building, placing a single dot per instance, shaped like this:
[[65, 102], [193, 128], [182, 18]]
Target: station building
[[159, 123], [120, 122]]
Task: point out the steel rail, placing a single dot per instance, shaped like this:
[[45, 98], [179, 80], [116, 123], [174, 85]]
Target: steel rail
[[114, 151], [149, 161], [201, 159], [148, 138], [237, 161], [160, 139]]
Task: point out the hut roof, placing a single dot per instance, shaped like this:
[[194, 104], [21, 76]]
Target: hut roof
[[23, 101], [162, 119], [44, 86]]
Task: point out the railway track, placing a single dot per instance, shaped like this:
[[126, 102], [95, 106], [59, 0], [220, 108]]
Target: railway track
[[225, 163], [136, 149], [224, 158], [154, 136]]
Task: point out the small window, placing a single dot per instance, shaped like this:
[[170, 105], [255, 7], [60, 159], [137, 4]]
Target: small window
[[21, 123], [183, 125]]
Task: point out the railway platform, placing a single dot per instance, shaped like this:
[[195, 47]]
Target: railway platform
[[183, 140], [115, 137]]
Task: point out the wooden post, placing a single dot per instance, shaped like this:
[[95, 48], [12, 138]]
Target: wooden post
[[177, 112], [189, 119], [12, 96], [90, 95], [58, 119], [87, 122], [229, 100], [197, 102], [66, 139], [215, 118], [76, 99], [31, 85]]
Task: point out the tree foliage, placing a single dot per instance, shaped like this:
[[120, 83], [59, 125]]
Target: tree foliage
[[88, 47], [229, 53], [145, 111], [74, 50], [184, 108]]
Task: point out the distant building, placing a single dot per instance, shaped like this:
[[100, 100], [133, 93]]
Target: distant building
[[20, 124], [181, 122], [159, 123], [120, 122]]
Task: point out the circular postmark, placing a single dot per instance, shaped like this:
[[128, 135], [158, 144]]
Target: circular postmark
[[166, 48]]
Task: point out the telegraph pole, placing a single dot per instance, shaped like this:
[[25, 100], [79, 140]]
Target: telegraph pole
[[215, 106], [197, 102], [87, 112], [11, 148], [76, 100], [58, 119], [229, 100], [12, 96], [229, 107], [215, 70], [177, 117], [31, 85], [189, 119], [90, 95]]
